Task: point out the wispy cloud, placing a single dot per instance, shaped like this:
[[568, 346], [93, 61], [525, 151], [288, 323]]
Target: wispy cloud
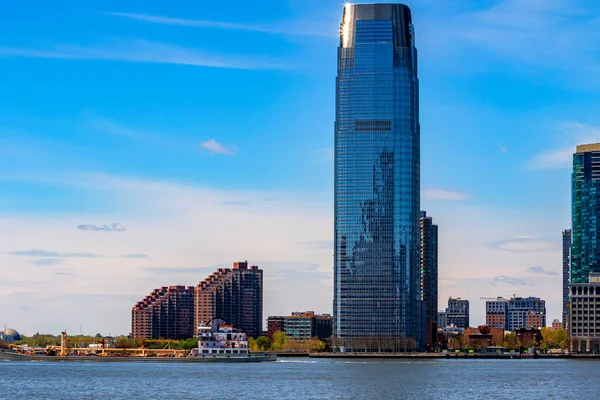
[[573, 134], [56, 255], [53, 254], [441, 194], [217, 148], [522, 29], [541, 271], [523, 244], [137, 256], [46, 262], [302, 28], [509, 280], [143, 51], [115, 227], [182, 270]]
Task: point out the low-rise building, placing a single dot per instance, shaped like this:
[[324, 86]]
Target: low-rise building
[[303, 325], [485, 336], [529, 336]]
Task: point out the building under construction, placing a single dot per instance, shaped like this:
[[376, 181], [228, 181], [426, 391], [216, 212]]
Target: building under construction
[[234, 295]]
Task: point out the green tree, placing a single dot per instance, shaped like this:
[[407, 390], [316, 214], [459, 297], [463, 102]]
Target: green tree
[[98, 336], [279, 339], [510, 341], [253, 345], [263, 342]]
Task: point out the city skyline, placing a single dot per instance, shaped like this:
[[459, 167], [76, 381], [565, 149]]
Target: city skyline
[[143, 146]]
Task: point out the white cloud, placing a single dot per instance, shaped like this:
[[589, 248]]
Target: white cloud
[[178, 226], [217, 148], [441, 194], [574, 134], [144, 51], [303, 28]]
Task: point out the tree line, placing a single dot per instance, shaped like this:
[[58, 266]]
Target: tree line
[[282, 343]]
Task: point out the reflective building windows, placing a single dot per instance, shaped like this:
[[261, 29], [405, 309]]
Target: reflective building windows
[[377, 238]]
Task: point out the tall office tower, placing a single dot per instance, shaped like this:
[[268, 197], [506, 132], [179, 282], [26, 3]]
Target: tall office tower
[[566, 245], [585, 250], [429, 277], [377, 156], [167, 313], [234, 295]]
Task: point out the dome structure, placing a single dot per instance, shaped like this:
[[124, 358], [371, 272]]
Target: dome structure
[[11, 335]]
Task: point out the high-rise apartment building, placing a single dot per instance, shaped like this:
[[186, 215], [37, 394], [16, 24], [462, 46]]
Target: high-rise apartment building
[[429, 276], [585, 250], [566, 264], [377, 155], [234, 295], [167, 313]]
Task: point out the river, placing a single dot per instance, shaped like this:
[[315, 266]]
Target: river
[[305, 379]]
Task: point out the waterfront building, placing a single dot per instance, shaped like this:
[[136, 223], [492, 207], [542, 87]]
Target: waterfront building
[[556, 324], [566, 264], [234, 295], [584, 318], [585, 249], [302, 325], [515, 313], [275, 324], [485, 336], [523, 310], [529, 336], [429, 276], [167, 312], [377, 294], [456, 314]]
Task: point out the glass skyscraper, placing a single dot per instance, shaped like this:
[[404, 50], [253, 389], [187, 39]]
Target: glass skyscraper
[[585, 249], [566, 245], [377, 156]]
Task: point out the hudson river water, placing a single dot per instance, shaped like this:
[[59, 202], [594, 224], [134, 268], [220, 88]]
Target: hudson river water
[[305, 379]]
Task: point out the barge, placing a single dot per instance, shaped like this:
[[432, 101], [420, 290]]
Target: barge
[[216, 343]]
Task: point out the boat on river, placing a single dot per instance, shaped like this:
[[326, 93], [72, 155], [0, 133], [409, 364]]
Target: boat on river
[[216, 343]]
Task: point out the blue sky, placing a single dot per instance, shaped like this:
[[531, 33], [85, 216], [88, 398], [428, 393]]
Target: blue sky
[[207, 133]]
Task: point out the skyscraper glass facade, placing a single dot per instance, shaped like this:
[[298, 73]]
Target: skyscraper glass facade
[[566, 246], [377, 156], [585, 250]]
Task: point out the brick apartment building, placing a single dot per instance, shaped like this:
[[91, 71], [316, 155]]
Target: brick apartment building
[[167, 312], [234, 295]]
